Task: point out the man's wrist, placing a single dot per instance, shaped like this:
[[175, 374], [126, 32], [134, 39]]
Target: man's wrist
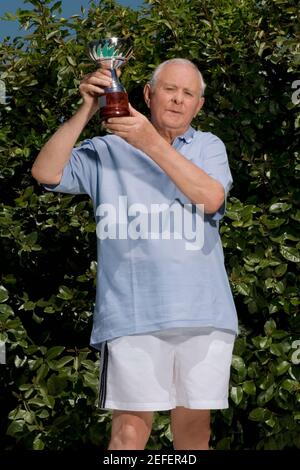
[[158, 146], [86, 111]]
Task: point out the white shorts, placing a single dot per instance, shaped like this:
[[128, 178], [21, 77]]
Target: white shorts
[[187, 367]]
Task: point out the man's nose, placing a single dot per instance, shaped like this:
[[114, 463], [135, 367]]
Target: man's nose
[[178, 97]]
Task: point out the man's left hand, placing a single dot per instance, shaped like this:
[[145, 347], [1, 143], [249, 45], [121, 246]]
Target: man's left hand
[[136, 129]]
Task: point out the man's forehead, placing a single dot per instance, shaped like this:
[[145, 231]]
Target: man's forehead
[[174, 72], [177, 68]]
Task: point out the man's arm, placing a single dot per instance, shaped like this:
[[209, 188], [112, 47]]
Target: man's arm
[[192, 181], [53, 157]]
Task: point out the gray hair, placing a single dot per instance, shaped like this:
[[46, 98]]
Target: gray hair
[[154, 77]]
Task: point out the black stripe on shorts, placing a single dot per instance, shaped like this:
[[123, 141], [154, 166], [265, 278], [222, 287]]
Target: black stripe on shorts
[[103, 374]]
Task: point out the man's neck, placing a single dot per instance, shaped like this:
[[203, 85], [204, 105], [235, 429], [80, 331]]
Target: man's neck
[[170, 134]]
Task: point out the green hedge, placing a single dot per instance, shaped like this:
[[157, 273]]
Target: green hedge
[[249, 56]]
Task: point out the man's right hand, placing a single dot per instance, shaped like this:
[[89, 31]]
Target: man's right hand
[[92, 86]]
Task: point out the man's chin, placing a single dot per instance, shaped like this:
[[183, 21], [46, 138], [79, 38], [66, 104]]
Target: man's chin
[[174, 119]]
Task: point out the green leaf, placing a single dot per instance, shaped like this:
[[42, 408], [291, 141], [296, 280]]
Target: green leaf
[[249, 387], [3, 294], [87, 364], [54, 352], [65, 293], [36, 402], [243, 288], [42, 372], [253, 370], [23, 415], [56, 6], [272, 223], [238, 363], [52, 34], [282, 367], [55, 365], [266, 396], [90, 380], [71, 61], [15, 428], [290, 253], [6, 311], [279, 287], [261, 342], [49, 310], [27, 306], [280, 207], [9, 16], [38, 444], [271, 422], [270, 327], [42, 414], [19, 362], [258, 414], [289, 385], [224, 444], [56, 384], [276, 349], [236, 394], [280, 270]]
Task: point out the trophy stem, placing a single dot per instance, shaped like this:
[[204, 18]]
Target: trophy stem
[[116, 84]]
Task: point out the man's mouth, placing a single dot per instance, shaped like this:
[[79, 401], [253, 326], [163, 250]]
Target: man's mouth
[[174, 111]]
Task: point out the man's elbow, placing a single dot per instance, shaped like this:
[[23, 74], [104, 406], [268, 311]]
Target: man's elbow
[[216, 201], [41, 178]]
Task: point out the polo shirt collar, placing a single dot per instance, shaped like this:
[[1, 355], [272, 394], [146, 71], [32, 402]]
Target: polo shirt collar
[[188, 135], [181, 140]]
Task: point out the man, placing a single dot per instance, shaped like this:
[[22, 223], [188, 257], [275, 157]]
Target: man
[[164, 319]]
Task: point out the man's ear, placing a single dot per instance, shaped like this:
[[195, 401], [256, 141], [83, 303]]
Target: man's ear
[[147, 94]]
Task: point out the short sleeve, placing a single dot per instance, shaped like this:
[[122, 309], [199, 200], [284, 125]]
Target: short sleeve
[[215, 164], [81, 173]]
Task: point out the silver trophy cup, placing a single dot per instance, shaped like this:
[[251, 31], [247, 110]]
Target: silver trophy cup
[[112, 53]]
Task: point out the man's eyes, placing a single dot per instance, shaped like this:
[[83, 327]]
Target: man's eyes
[[186, 92]]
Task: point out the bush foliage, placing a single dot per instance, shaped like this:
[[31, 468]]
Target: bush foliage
[[249, 54]]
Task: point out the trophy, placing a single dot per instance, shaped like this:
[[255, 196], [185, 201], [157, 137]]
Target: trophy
[[111, 53]]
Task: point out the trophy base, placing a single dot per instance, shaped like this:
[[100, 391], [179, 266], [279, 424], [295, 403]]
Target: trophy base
[[114, 104]]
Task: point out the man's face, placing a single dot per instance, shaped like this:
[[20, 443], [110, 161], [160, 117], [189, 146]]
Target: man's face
[[175, 99]]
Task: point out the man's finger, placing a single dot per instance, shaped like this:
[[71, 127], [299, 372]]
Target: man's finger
[[133, 111], [129, 121], [103, 71], [105, 81], [118, 127]]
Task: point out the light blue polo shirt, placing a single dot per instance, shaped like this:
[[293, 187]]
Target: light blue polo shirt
[[149, 278]]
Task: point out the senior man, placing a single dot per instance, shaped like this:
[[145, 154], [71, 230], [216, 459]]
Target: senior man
[[164, 319]]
